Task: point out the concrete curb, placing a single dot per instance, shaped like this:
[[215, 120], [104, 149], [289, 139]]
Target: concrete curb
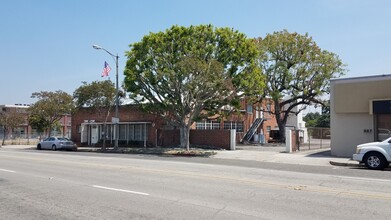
[[345, 164]]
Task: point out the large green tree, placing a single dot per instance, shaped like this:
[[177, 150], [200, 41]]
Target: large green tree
[[184, 71], [298, 73], [97, 96], [311, 119], [39, 123], [50, 107], [316, 119]]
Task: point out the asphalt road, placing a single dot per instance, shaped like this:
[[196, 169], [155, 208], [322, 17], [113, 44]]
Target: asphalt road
[[72, 185]]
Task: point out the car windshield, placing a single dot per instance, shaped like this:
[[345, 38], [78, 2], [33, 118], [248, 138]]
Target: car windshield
[[63, 139]]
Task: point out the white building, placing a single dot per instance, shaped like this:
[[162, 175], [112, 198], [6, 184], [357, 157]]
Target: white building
[[360, 112], [298, 123]]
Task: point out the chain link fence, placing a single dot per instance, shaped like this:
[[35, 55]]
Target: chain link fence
[[18, 138], [317, 138]]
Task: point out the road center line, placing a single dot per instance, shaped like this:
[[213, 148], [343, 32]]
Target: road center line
[[365, 179], [10, 171], [121, 190]]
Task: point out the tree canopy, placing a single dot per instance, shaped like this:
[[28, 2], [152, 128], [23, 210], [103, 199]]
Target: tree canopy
[[50, 107], [38, 122], [315, 119], [95, 95], [298, 72], [9, 120], [185, 70], [98, 96]]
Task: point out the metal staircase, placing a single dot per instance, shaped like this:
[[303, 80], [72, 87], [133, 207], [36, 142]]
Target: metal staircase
[[251, 131]]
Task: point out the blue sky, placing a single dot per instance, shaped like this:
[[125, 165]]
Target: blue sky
[[46, 45]]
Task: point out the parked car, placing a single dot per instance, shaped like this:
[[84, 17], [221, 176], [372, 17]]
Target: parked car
[[56, 143], [375, 155]]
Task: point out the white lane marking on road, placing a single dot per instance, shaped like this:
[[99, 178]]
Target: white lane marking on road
[[121, 190], [10, 171], [366, 179]]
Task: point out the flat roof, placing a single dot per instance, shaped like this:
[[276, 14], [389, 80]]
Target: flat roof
[[16, 105], [363, 78]]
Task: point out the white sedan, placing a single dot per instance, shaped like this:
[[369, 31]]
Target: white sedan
[[56, 143], [375, 155]]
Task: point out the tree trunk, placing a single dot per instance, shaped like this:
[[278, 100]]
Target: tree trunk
[[184, 134], [105, 130], [280, 120], [50, 130], [281, 128]]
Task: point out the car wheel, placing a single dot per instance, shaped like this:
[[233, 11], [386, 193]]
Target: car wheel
[[375, 161], [54, 147], [39, 147]]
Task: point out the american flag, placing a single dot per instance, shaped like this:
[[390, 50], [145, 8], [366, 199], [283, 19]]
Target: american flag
[[106, 69]]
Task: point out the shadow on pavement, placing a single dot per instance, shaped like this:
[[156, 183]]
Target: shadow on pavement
[[325, 153]]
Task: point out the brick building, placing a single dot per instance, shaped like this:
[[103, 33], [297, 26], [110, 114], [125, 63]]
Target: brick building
[[24, 130], [135, 126], [252, 124]]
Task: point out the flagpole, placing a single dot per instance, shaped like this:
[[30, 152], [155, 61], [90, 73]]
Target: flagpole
[[116, 103], [116, 127]]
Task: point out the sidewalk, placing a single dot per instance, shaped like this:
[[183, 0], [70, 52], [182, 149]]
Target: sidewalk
[[267, 153], [276, 154]]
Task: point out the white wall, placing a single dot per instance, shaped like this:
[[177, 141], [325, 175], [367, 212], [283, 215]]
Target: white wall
[[347, 131], [299, 123]]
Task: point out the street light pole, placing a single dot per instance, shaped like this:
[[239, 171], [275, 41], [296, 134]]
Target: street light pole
[[116, 127]]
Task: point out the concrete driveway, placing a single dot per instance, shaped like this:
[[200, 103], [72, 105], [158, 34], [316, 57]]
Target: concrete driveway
[[276, 154]]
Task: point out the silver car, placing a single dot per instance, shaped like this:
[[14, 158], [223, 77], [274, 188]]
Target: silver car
[[56, 143]]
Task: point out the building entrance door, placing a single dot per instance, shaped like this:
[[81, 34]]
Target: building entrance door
[[94, 134]]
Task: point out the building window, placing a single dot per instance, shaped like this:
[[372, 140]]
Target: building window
[[122, 132], [249, 109], [138, 133], [135, 132], [207, 125], [268, 107], [268, 129], [238, 125], [131, 132]]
